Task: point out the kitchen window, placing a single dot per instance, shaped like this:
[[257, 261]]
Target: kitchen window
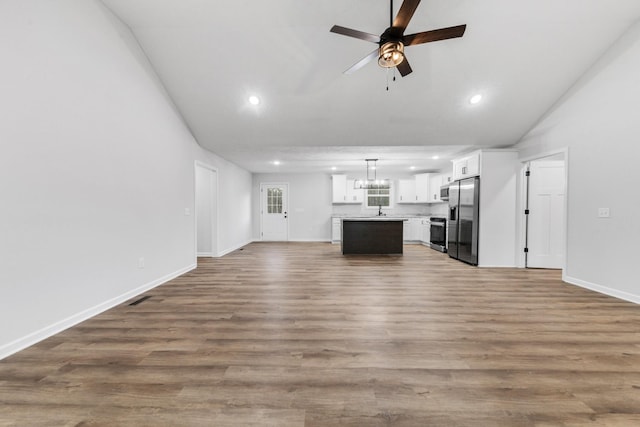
[[378, 197]]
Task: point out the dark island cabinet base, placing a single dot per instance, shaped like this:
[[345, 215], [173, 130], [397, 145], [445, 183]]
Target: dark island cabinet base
[[372, 237]]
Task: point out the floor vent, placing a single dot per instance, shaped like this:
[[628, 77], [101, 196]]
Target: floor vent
[[140, 300]]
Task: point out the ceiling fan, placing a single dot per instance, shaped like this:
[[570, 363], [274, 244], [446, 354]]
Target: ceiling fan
[[391, 42]]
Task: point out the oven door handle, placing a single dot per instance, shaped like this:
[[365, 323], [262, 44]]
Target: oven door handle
[[437, 224]]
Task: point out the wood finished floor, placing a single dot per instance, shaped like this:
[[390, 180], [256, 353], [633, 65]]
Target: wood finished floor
[[298, 335]]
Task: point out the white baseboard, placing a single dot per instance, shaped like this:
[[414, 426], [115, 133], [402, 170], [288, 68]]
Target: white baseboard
[[310, 240], [204, 254], [234, 248], [48, 331], [602, 289], [496, 266]]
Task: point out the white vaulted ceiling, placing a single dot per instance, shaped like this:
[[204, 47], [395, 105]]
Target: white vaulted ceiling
[[522, 56]]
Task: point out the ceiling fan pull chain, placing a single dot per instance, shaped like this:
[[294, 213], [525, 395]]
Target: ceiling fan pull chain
[[387, 80]]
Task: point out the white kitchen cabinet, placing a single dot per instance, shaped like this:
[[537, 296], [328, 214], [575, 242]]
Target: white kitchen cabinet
[[354, 195], [467, 166], [423, 187], [447, 178], [426, 231], [343, 191], [434, 188], [406, 191], [412, 230], [406, 231], [336, 230], [339, 184]]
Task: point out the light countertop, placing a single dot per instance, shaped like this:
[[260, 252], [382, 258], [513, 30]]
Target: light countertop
[[375, 218]]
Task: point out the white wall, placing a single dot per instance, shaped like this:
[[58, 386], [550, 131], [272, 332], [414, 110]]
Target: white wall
[[309, 205], [598, 122], [96, 171], [498, 190]]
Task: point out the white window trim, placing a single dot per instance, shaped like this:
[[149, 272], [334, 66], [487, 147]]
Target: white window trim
[[366, 200]]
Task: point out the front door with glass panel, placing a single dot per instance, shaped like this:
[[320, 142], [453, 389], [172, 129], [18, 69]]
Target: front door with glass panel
[[274, 212]]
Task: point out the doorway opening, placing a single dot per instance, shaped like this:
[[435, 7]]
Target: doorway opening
[[544, 214], [206, 198], [274, 212]]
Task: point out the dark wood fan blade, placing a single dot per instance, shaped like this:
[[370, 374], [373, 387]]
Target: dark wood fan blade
[[364, 61], [405, 13], [434, 35], [355, 33], [404, 68]]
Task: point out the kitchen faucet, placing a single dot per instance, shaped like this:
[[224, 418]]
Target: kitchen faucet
[[380, 211]]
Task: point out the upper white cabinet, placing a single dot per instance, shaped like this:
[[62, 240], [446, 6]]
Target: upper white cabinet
[[447, 178], [434, 188], [414, 190], [354, 195], [339, 183], [467, 166], [406, 191], [423, 189], [343, 191]]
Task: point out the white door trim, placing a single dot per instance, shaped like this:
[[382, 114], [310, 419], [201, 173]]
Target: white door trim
[[263, 185], [214, 209]]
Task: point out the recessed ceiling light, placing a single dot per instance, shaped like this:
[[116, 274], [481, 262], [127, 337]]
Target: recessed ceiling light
[[276, 162], [475, 99], [254, 100], [412, 168], [435, 157], [333, 168]]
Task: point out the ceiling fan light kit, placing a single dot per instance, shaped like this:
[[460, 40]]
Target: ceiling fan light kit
[[391, 54], [392, 41]]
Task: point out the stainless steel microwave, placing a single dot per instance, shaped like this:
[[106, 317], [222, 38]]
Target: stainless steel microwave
[[444, 192]]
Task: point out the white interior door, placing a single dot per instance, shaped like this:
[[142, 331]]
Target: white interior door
[[546, 214], [206, 211], [274, 212]]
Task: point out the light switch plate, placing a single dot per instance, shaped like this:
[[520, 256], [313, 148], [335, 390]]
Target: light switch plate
[[603, 213], [187, 211]]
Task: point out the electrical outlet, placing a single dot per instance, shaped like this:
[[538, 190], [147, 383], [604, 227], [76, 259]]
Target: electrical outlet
[[603, 213], [141, 262]]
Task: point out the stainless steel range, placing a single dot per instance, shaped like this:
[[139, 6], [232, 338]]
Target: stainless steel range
[[438, 239]]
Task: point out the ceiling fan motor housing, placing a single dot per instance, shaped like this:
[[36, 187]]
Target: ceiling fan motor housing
[[391, 34]]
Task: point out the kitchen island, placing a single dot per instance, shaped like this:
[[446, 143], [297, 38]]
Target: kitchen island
[[372, 236]]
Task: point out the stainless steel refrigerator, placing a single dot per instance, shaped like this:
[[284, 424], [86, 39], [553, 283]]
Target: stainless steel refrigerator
[[464, 210]]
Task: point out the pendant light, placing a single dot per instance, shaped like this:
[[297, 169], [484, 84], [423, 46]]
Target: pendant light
[[372, 181]]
